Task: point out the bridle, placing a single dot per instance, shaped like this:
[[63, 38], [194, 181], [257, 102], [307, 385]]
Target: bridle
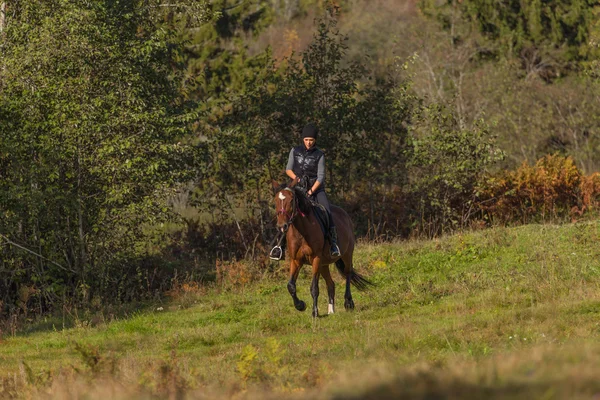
[[295, 210]]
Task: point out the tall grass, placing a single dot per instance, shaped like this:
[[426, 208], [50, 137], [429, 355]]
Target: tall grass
[[499, 313]]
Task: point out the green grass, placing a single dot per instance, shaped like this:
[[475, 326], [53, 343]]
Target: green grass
[[499, 313]]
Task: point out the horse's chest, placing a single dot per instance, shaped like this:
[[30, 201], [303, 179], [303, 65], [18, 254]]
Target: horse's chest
[[307, 251], [307, 254]]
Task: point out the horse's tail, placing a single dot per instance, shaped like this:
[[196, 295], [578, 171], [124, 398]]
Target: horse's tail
[[360, 282]]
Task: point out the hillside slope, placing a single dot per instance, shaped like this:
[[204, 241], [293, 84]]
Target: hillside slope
[[499, 313]]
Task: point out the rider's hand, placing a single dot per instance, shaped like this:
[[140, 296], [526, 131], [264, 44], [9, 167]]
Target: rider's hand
[[310, 192]]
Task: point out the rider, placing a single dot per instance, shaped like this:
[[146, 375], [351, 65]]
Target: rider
[[308, 162]]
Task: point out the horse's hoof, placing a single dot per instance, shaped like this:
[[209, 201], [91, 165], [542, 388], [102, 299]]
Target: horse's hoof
[[315, 313], [349, 304], [300, 305]]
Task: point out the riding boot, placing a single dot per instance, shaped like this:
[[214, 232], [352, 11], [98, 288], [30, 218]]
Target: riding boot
[[335, 250]]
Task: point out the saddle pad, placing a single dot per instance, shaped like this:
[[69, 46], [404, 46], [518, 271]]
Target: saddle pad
[[323, 217]]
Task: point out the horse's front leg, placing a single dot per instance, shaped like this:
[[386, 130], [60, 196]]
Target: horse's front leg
[[294, 270], [314, 286]]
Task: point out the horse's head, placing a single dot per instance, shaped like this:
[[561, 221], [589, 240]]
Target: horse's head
[[288, 204]]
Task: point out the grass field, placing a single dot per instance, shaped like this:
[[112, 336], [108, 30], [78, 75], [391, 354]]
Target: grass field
[[498, 313]]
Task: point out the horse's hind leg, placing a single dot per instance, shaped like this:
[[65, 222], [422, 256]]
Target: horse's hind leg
[[348, 302], [348, 273], [330, 288]]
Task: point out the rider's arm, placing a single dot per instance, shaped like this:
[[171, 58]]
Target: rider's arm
[[290, 166], [291, 174], [315, 187], [320, 175]]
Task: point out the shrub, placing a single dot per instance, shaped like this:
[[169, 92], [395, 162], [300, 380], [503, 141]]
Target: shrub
[[445, 163], [554, 188]]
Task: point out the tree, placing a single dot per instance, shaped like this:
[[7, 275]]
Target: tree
[[547, 36], [91, 113], [361, 124], [446, 164]]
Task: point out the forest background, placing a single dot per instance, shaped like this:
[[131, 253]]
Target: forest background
[[138, 139]]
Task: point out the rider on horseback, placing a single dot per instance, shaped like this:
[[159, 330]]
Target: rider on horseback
[[306, 165]]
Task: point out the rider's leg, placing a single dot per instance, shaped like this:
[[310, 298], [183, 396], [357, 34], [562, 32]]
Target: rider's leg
[[322, 199]]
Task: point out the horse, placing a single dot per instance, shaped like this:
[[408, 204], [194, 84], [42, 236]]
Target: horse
[[306, 244]]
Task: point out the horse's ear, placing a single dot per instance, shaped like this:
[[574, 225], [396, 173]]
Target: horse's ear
[[276, 186]]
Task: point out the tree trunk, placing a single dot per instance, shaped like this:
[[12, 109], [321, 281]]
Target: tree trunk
[[2, 16]]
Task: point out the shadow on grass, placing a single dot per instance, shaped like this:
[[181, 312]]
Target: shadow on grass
[[85, 319], [430, 387]]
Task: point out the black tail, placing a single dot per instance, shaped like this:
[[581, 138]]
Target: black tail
[[360, 282]]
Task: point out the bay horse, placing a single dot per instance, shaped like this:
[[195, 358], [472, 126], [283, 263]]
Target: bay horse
[[306, 244]]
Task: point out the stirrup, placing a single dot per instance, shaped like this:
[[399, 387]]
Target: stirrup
[[335, 250], [276, 253]]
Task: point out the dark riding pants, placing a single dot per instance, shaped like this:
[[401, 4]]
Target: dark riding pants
[[321, 198]]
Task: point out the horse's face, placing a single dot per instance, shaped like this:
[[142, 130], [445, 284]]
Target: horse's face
[[284, 203]]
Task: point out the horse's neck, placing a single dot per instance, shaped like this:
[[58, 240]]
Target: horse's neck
[[302, 224]]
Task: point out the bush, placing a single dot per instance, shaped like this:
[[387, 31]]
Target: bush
[[552, 189], [446, 162]]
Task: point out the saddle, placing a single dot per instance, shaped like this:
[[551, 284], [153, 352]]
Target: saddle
[[322, 216]]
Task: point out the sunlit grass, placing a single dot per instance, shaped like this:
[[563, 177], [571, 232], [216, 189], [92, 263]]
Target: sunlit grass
[[500, 313]]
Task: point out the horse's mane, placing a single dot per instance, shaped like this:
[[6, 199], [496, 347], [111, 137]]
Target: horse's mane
[[304, 203], [280, 187]]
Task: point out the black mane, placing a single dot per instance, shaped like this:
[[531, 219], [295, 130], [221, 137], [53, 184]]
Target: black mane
[[304, 203], [280, 188]]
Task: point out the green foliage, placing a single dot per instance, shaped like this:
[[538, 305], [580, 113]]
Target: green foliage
[[447, 161], [216, 57], [91, 118], [547, 36], [267, 120], [361, 122], [245, 365], [96, 109]]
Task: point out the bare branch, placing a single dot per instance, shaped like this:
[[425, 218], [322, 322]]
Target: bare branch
[[34, 253]]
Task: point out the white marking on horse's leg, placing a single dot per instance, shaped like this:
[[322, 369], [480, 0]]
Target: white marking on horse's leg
[[281, 196], [330, 309]]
